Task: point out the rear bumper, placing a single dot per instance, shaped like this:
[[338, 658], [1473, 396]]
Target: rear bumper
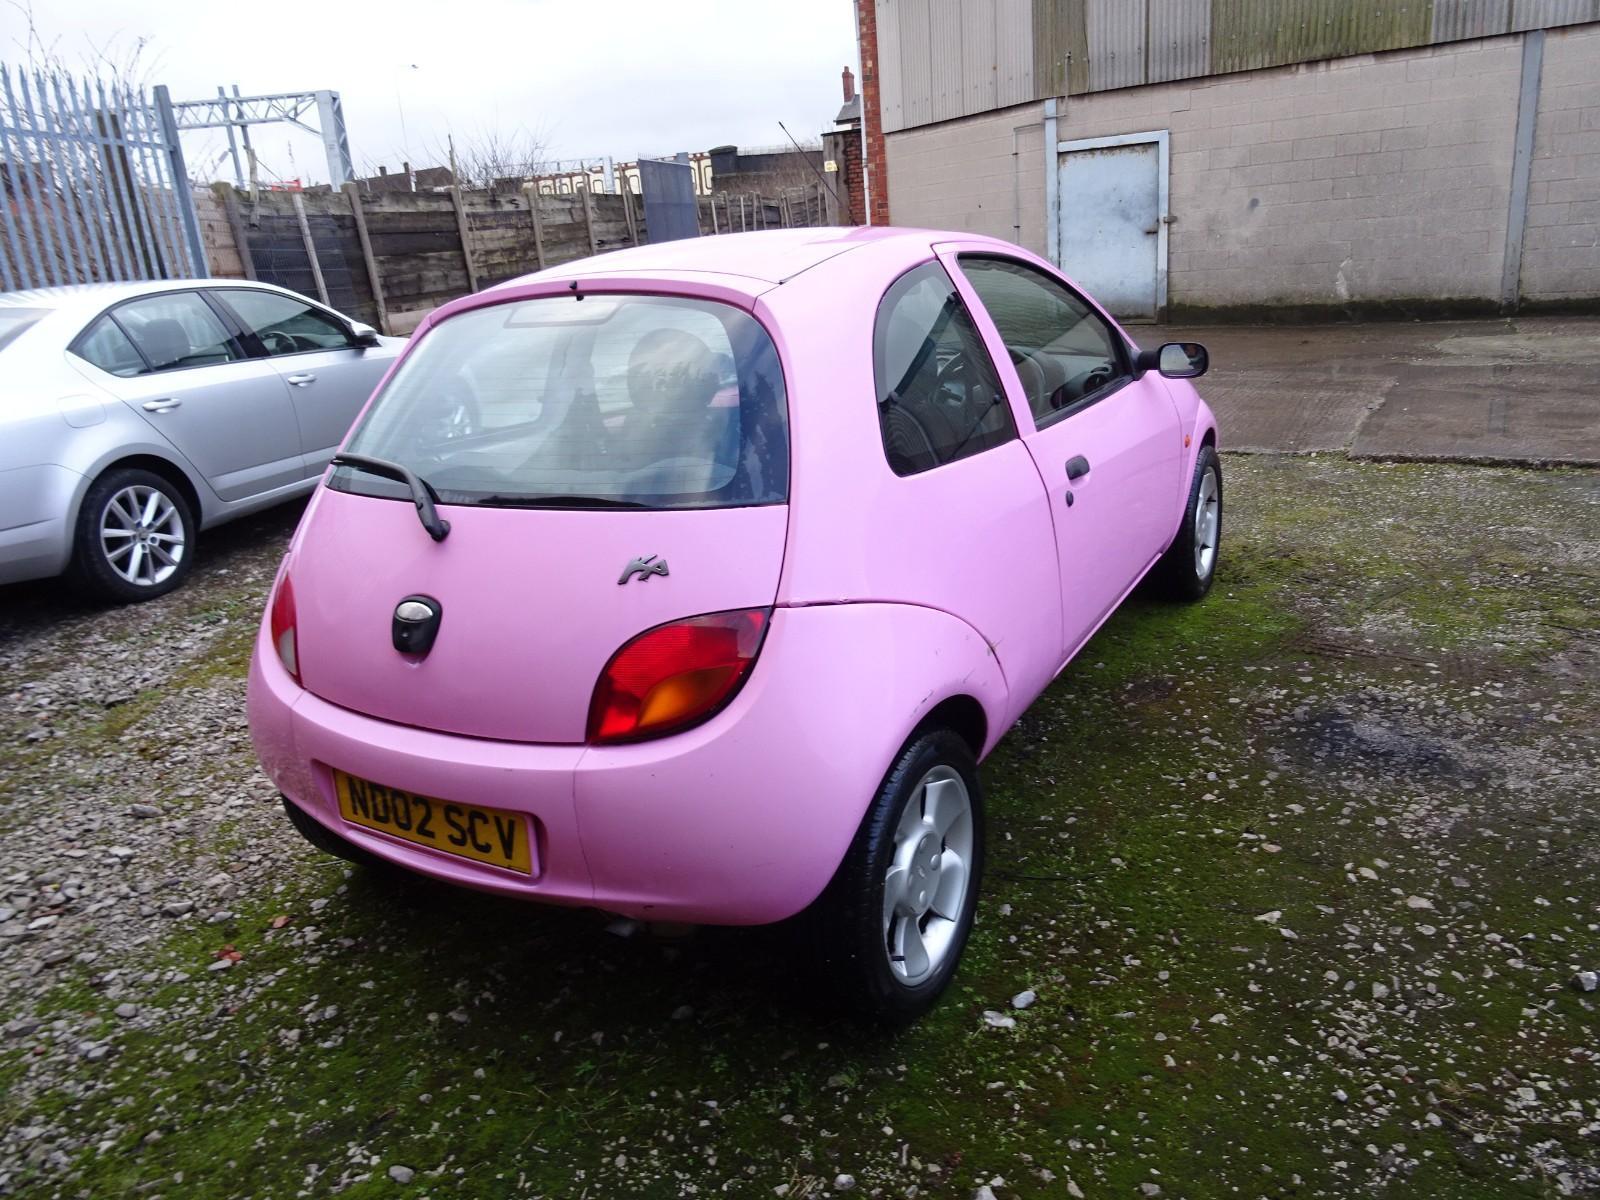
[[741, 821], [40, 500]]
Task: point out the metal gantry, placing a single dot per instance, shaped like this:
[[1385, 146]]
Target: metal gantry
[[236, 112]]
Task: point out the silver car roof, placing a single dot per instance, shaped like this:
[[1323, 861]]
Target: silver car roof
[[90, 298]]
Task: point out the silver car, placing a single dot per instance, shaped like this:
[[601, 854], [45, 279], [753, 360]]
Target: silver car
[[133, 415]]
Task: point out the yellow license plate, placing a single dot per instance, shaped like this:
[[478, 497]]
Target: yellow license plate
[[490, 835]]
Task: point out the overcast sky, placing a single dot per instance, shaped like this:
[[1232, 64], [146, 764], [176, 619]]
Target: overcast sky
[[618, 78]]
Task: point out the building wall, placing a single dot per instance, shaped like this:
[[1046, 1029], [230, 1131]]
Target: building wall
[[942, 59], [1365, 180], [1561, 246]]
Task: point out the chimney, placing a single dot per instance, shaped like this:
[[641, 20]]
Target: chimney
[[849, 85], [382, 170]]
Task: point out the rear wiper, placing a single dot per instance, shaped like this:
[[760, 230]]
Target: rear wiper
[[559, 500], [422, 495]]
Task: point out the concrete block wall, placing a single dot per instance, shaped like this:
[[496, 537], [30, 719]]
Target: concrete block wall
[[964, 175], [1561, 245], [1371, 180]]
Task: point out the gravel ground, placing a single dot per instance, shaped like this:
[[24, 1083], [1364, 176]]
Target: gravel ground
[[1291, 893]]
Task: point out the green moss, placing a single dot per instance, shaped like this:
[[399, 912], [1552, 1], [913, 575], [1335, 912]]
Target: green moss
[[1195, 768]]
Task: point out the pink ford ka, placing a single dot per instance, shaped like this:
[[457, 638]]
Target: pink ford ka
[[691, 582]]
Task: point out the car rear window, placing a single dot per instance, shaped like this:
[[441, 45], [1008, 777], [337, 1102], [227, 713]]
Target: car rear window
[[599, 402], [14, 320]]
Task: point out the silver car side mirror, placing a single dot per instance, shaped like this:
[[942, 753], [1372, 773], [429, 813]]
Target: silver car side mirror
[[363, 335]]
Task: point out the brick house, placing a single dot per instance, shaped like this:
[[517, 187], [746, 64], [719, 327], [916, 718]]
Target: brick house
[[1311, 157]]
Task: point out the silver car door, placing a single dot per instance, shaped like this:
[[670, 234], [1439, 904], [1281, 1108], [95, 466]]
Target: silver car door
[[328, 373], [227, 414]]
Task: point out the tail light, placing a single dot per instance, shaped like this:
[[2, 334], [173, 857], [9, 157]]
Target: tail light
[[675, 675], [281, 624]]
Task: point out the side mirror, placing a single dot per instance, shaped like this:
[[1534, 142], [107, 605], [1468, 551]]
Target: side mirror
[[364, 335], [1175, 360]]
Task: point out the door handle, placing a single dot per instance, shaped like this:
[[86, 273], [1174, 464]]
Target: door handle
[[302, 379], [161, 405], [1077, 467]]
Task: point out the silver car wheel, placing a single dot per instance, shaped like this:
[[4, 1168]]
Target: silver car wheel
[[1207, 522], [142, 535], [925, 888]]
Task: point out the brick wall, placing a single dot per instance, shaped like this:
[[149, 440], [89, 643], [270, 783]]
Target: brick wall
[[850, 162], [877, 173], [1561, 246], [1371, 179]]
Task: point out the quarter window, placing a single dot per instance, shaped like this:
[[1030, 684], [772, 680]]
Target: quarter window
[[176, 329], [107, 347], [939, 398], [1065, 352], [283, 324]]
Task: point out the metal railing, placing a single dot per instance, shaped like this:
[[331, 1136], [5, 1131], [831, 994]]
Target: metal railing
[[92, 184]]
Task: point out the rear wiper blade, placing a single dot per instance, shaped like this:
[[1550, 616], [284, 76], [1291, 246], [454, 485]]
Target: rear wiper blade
[[422, 495], [560, 500]]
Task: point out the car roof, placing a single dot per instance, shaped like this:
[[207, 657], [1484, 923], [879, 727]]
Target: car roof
[[92, 297], [770, 255]]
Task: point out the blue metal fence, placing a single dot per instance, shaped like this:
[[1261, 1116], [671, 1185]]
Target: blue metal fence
[[92, 184]]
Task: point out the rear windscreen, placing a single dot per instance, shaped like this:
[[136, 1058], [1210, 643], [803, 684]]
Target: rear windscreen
[[607, 401], [14, 320]]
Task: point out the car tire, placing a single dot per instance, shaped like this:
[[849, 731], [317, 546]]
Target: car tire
[[125, 549], [928, 809], [1189, 566], [324, 839]]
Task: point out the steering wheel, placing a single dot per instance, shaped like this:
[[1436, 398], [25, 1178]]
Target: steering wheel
[[953, 374], [276, 341]]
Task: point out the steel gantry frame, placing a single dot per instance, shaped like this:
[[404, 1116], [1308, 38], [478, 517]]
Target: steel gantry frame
[[240, 112]]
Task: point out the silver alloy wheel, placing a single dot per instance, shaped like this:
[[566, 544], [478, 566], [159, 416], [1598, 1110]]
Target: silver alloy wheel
[[142, 535], [925, 888], [1207, 523]]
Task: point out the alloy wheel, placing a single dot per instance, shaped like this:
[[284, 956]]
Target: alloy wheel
[[142, 535], [1207, 524], [925, 887]]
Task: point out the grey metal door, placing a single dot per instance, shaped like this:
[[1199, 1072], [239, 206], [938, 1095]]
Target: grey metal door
[[329, 377], [227, 414], [1112, 205], [670, 211]]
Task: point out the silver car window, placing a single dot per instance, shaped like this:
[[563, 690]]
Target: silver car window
[[176, 329], [14, 320], [107, 347], [284, 325]]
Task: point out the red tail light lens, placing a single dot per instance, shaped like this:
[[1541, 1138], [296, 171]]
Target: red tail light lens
[[674, 676], [281, 624]]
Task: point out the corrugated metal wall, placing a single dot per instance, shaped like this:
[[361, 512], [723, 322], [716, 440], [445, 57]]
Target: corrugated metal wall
[[939, 59], [1180, 39], [1249, 34]]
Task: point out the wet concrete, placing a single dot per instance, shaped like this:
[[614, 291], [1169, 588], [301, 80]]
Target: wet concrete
[[1520, 390]]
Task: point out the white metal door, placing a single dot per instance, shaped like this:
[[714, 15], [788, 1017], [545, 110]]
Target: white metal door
[[1112, 201]]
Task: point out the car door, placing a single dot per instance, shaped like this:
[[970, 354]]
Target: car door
[[1107, 445], [328, 374], [170, 358]]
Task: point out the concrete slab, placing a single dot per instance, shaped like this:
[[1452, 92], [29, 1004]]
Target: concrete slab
[[1517, 390]]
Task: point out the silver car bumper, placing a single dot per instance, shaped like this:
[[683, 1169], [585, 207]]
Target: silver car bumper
[[36, 509]]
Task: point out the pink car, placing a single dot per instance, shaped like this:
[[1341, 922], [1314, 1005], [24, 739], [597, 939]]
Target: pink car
[[691, 582]]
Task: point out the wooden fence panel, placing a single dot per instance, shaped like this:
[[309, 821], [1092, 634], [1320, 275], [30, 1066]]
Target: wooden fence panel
[[416, 239]]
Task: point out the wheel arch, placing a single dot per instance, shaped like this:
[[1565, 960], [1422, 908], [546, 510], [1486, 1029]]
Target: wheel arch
[[964, 715], [156, 465]]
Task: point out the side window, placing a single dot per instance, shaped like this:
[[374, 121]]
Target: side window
[[1064, 351], [107, 347], [284, 325], [939, 398], [176, 329]]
